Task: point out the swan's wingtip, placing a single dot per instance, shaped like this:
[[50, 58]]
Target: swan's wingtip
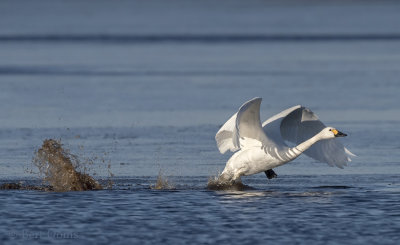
[[255, 99], [296, 107], [247, 104]]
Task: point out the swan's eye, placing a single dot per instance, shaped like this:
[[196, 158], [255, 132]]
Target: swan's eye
[[330, 129]]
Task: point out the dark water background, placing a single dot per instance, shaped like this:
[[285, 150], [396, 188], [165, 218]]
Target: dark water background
[[145, 86]]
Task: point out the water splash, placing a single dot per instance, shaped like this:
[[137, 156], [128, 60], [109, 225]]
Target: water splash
[[60, 168], [162, 183], [216, 184]]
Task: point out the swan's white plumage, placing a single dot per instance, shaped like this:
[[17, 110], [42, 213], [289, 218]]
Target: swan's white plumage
[[296, 125], [248, 131], [243, 129], [224, 136]]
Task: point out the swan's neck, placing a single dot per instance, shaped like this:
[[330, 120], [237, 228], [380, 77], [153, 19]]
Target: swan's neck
[[299, 149]]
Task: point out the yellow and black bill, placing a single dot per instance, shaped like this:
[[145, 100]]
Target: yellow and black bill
[[337, 133]]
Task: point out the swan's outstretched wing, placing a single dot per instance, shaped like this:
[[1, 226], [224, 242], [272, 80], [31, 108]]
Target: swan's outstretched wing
[[296, 125], [225, 134], [243, 129]]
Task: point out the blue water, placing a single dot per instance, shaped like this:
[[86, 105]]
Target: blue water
[[144, 87], [292, 209]]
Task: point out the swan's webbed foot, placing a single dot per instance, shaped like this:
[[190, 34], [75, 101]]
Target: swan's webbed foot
[[270, 174]]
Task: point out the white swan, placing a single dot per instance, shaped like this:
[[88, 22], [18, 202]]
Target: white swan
[[262, 147]]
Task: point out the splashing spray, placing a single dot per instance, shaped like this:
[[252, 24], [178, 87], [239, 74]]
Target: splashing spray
[[162, 183], [215, 183], [59, 168]]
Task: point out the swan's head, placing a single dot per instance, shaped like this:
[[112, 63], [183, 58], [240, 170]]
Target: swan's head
[[331, 133]]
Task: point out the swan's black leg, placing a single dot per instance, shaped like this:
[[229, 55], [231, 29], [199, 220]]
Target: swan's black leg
[[270, 174]]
